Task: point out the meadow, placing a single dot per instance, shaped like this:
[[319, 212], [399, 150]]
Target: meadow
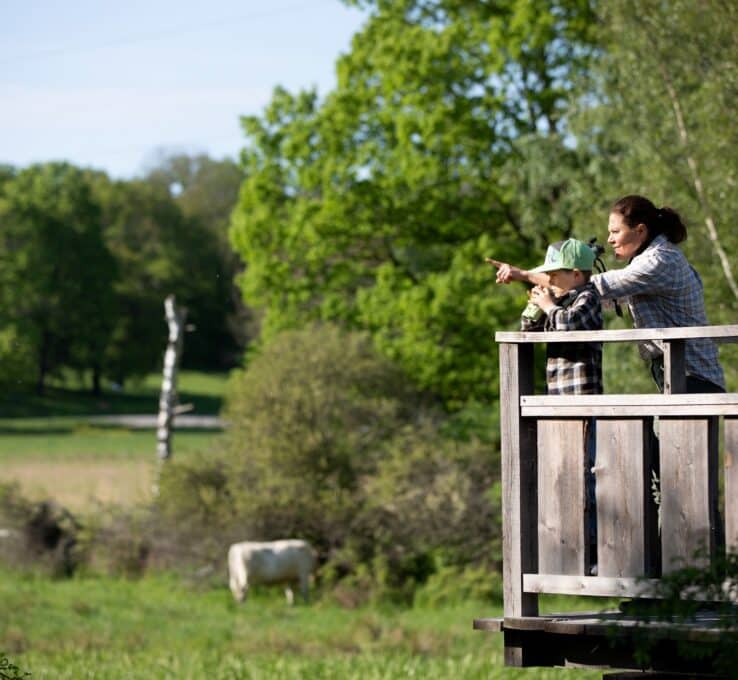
[[164, 627], [174, 626], [52, 450]]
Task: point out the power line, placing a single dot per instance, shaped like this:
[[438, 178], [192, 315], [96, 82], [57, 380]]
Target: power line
[[152, 37]]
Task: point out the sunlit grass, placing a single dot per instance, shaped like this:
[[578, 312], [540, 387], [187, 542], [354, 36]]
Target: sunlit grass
[[158, 627]]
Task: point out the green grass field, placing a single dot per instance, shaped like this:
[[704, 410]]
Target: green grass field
[[70, 398], [164, 627], [52, 451], [159, 627]]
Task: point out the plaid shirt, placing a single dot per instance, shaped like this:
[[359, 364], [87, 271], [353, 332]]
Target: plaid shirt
[[573, 367], [662, 290]]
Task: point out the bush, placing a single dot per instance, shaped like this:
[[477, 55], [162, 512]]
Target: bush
[[329, 442], [41, 536]]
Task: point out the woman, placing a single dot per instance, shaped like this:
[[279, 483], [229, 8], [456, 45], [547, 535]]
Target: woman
[[661, 288]]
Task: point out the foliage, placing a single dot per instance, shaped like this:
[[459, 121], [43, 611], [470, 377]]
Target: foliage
[[443, 142], [451, 584], [56, 272], [160, 250], [9, 670], [330, 442], [682, 596], [206, 191], [674, 81]]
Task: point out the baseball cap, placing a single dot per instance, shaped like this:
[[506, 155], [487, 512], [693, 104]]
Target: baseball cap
[[569, 254]]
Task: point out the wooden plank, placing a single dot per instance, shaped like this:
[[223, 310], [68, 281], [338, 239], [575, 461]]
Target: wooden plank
[[597, 586], [731, 483], [519, 498], [492, 625], [621, 488], [561, 494], [629, 405], [675, 372], [625, 411], [688, 490], [716, 399], [706, 626], [725, 333]]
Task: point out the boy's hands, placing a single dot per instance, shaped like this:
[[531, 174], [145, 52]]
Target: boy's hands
[[542, 297]]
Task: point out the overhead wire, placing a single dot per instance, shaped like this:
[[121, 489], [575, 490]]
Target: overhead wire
[[153, 37]]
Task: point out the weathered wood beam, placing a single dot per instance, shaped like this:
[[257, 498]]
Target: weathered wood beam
[[727, 333]]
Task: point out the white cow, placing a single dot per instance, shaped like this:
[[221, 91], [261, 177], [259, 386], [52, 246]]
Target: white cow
[[288, 561]]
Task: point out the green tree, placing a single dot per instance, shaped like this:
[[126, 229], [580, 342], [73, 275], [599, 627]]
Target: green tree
[[56, 272], [443, 142], [656, 111], [141, 227], [673, 83], [206, 190]]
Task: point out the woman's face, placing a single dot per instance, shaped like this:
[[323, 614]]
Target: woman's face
[[624, 240]]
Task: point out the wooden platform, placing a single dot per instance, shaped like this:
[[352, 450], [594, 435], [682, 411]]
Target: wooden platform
[[553, 497], [609, 640]]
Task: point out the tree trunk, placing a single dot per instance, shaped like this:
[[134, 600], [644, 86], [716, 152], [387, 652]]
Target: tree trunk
[[43, 360], [168, 400], [96, 380]]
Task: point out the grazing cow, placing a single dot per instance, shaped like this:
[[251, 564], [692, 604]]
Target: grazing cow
[[288, 561]]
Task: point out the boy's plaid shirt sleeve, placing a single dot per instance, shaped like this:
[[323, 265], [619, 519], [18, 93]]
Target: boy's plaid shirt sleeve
[[576, 367], [583, 314]]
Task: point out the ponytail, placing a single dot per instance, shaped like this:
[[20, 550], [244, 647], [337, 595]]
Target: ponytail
[[637, 210]]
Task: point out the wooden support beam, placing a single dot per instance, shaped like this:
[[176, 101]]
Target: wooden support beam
[[628, 405], [519, 493], [727, 333], [731, 484], [689, 489], [624, 538], [562, 530], [597, 586]]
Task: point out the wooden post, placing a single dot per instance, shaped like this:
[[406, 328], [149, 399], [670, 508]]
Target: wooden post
[[562, 527], [688, 454], [519, 493], [731, 484], [675, 375], [168, 400], [622, 473]]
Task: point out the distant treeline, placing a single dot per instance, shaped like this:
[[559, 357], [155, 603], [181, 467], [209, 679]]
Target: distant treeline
[[455, 131], [86, 262]]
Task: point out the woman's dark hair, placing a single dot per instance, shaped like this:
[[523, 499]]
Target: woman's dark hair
[[637, 210]]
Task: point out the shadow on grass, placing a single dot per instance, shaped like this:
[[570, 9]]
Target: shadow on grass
[[25, 403]]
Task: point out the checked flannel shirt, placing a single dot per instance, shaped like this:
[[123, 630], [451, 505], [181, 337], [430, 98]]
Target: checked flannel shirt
[[573, 367], [662, 290]]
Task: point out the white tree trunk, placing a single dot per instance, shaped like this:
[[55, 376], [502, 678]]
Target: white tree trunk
[[168, 400]]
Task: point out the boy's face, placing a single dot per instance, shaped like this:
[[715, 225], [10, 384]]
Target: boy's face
[[563, 280]]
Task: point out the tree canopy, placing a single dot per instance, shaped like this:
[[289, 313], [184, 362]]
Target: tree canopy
[[443, 142]]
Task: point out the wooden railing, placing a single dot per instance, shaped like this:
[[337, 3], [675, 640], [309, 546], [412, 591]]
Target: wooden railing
[[545, 537]]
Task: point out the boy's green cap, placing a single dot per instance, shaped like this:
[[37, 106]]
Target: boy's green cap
[[569, 254]]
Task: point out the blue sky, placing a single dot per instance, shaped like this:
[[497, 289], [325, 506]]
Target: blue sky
[[108, 84]]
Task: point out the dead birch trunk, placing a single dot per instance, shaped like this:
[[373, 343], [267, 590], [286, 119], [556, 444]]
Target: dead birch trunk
[[168, 400]]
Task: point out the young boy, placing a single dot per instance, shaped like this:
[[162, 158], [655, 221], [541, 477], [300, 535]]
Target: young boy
[[571, 303]]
